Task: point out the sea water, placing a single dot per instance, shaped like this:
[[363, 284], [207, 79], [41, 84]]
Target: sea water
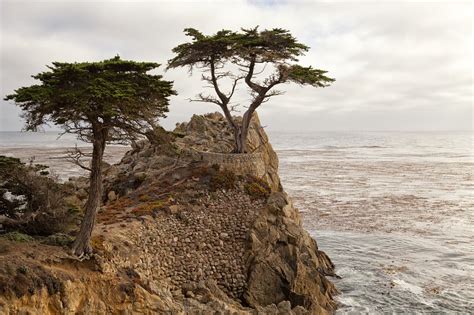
[[51, 149], [393, 210]]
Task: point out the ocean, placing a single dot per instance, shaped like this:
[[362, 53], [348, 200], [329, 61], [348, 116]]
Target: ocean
[[393, 210]]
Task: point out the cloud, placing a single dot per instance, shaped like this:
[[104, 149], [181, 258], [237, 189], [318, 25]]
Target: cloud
[[404, 65]]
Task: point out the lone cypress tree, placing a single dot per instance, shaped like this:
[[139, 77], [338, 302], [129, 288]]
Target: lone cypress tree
[[246, 50], [102, 102]]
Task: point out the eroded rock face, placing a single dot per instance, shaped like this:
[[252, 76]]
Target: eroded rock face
[[285, 263], [211, 133], [204, 137], [184, 235]]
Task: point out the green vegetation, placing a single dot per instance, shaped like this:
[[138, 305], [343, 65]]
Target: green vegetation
[[149, 208], [222, 179], [18, 237], [250, 51], [27, 280], [30, 201], [113, 100], [257, 188], [59, 239]]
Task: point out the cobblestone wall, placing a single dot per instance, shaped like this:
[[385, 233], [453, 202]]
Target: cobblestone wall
[[197, 243], [248, 163]]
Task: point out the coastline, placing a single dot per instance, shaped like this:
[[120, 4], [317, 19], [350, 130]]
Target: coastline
[[309, 175]]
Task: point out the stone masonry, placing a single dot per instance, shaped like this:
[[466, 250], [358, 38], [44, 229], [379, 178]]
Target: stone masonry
[[242, 164], [193, 243]]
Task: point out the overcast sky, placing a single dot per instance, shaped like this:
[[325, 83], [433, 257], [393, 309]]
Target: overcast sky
[[398, 65]]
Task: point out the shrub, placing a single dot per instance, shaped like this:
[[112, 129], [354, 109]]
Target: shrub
[[26, 280], [222, 179], [144, 198], [59, 239], [18, 237], [149, 208], [257, 188], [97, 243], [22, 269], [30, 201]]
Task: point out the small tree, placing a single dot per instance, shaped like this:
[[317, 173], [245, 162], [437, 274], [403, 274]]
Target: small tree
[[31, 201], [246, 50], [113, 100]]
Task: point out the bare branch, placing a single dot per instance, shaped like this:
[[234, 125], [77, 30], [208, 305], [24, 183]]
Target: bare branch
[[221, 95], [273, 93], [233, 108], [248, 78], [236, 80], [223, 75], [237, 63], [75, 156], [206, 99], [260, 72], [206, 78]]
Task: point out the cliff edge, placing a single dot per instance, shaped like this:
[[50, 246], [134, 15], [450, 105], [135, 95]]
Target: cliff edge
[[186, 228]]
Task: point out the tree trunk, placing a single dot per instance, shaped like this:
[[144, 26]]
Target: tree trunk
[[238, 145], [241, 133], [82, 245]]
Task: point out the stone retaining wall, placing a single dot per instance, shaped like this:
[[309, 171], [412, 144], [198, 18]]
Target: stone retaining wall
[[205, 242], [247, 163]]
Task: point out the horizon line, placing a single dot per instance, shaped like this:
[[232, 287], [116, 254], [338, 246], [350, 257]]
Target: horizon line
[[295, 130]]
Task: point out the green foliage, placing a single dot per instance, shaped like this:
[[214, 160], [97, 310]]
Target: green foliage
[[307, 75], [26, 186], [116, 95], [222, 179], [275, 46], [113, 100], [7, 163], [249, 51], [31, 202], [59, 239], [257, 188], [18, 237], [203, 48]]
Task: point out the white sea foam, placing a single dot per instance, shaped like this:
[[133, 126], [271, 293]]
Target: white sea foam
[[408, 286]]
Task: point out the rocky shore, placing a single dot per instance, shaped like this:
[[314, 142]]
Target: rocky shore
[[186, 228]]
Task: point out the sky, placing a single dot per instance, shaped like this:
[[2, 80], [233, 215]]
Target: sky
[[398, 65]]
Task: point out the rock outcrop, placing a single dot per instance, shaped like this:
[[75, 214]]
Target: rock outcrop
[[285, 263], [183, 231], [210, 133]]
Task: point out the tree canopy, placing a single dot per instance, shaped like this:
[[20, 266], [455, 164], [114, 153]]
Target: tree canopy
[[116, 94], [108, 101], [246, 49]]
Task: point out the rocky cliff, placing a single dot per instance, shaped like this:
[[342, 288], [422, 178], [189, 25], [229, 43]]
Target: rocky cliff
[[186, 229]]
